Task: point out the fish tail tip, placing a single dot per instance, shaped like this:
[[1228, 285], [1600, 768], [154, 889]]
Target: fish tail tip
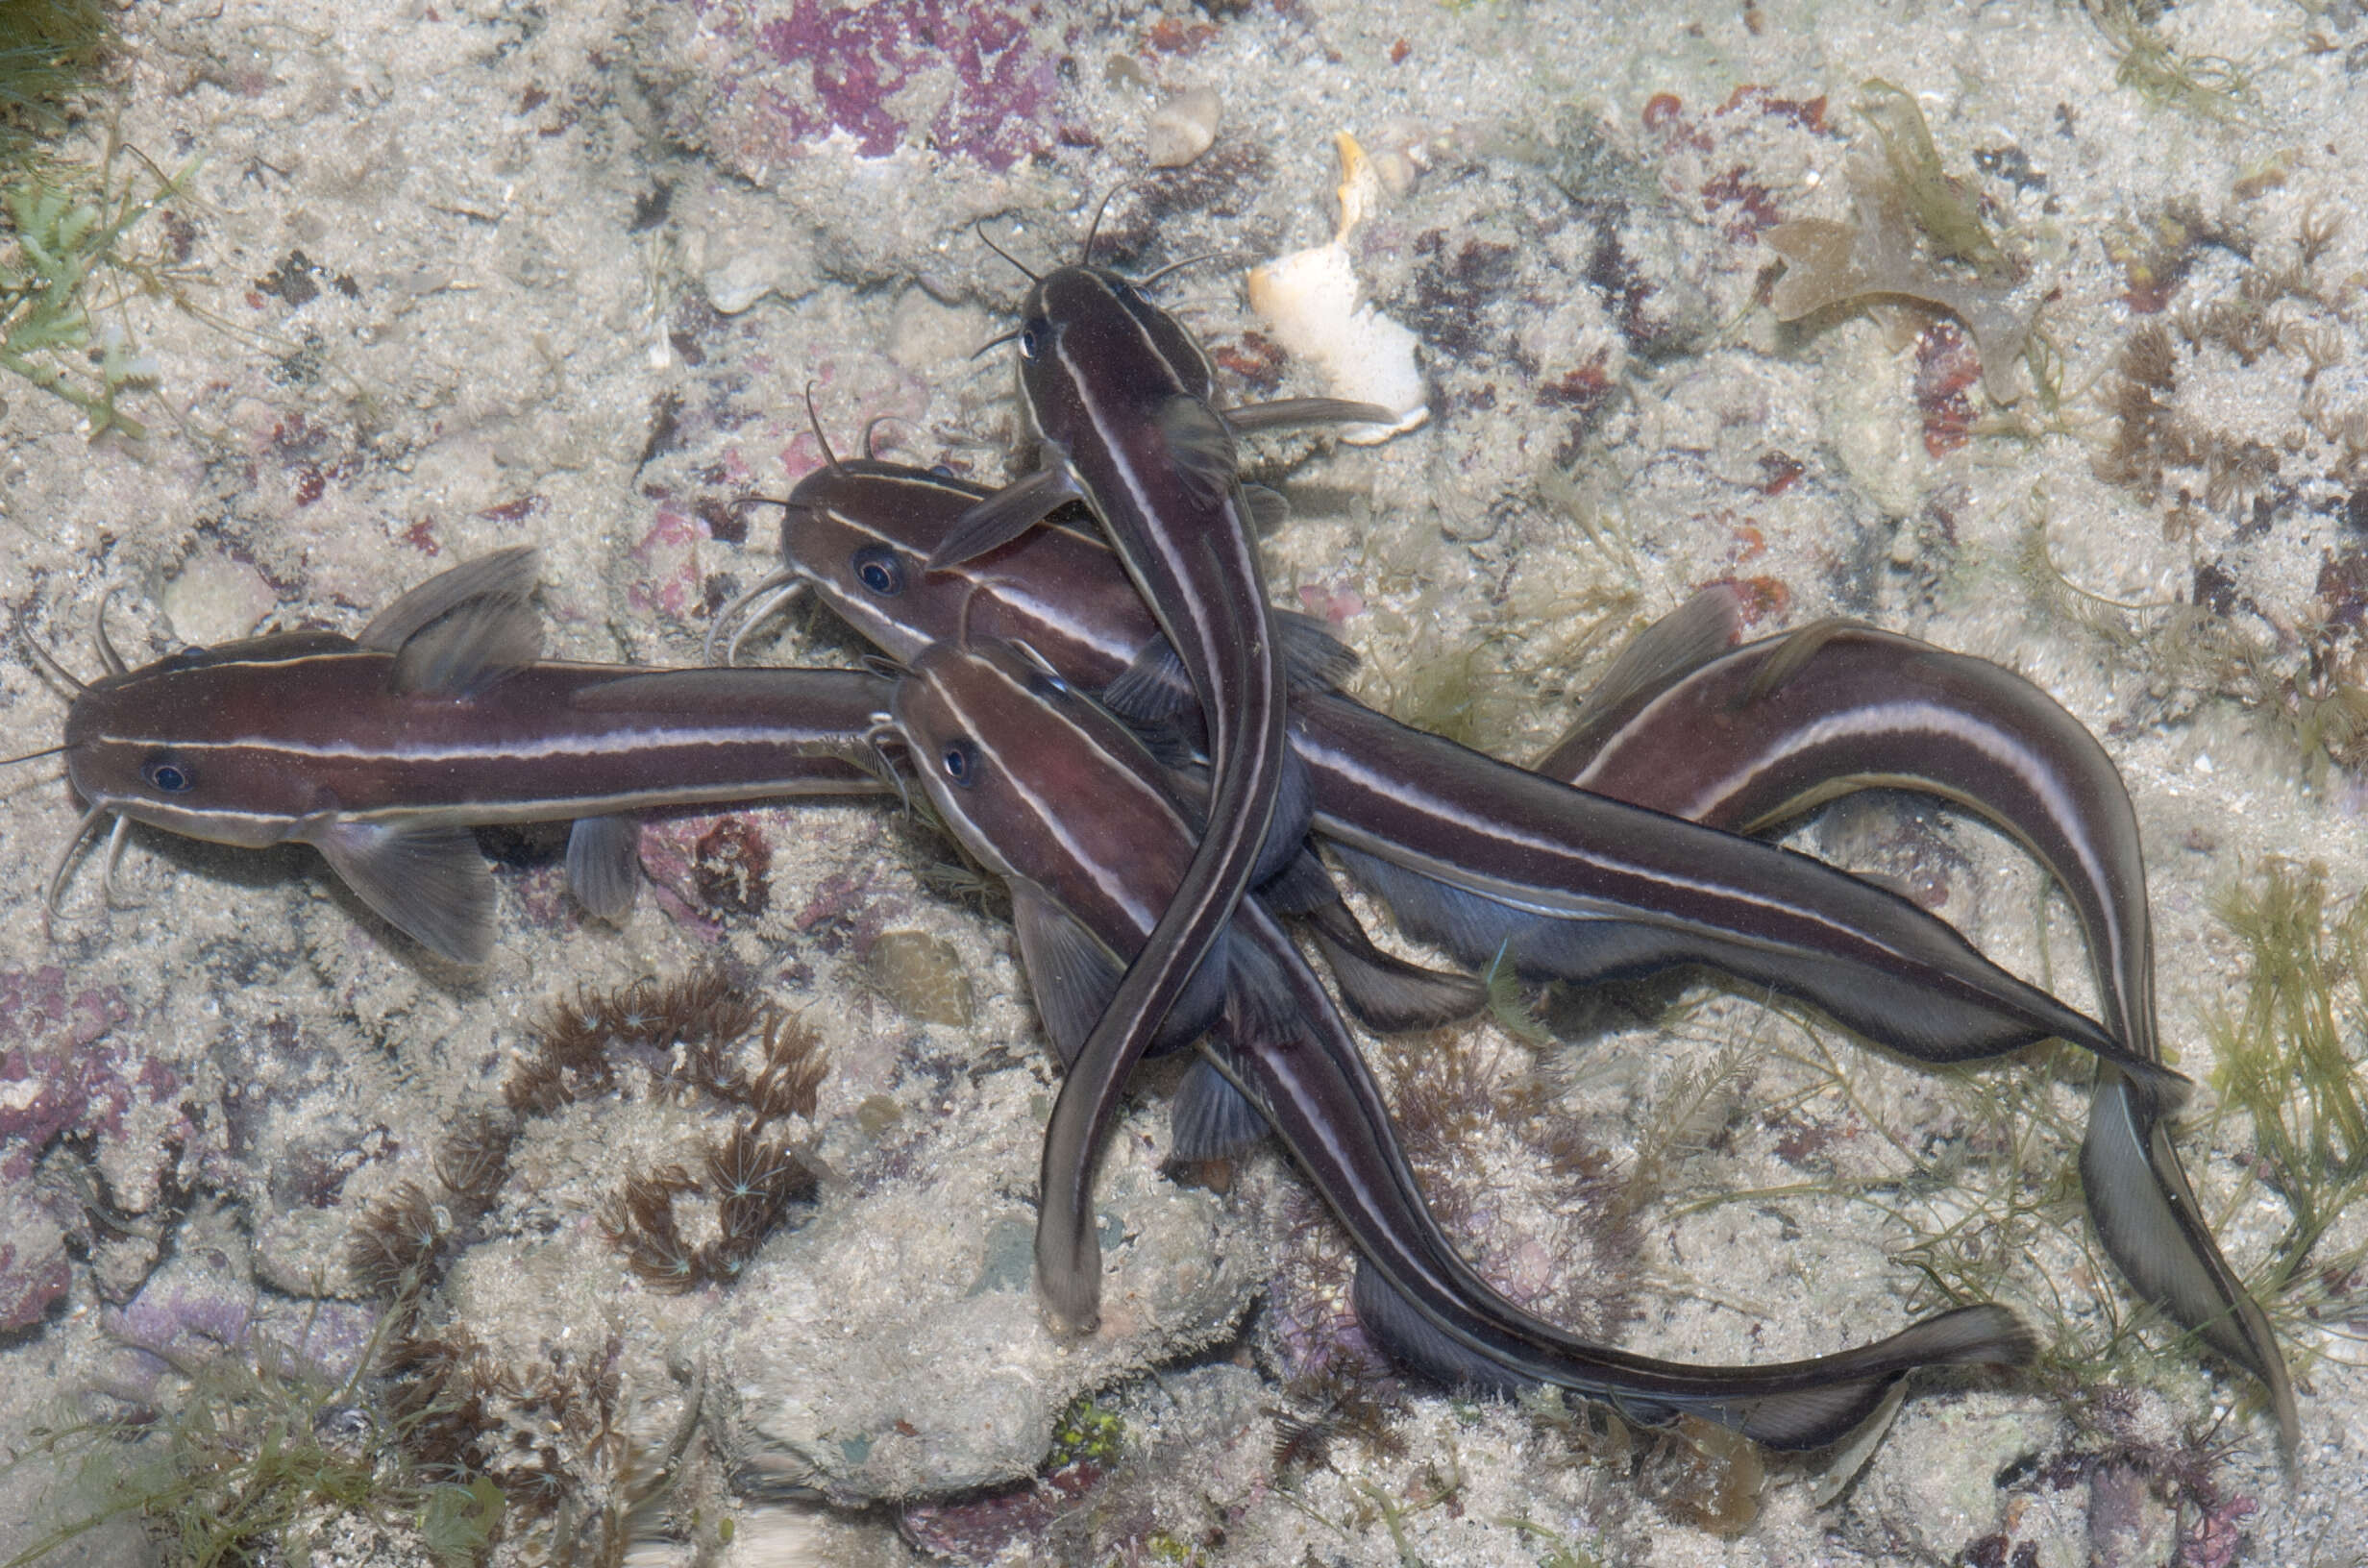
[[1068, 1283]]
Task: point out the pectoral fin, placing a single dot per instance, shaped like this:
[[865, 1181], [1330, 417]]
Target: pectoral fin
[[1072, 975], [1004, 516], [430, 883], [1200, 449], [603, 864], [1155, 686], [1313, 659], [1265, 510]]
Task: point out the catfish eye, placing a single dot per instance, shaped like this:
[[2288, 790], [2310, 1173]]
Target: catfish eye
[[1032, 338], [878, 570], [165, 775], [1123, 291], [961, 763]]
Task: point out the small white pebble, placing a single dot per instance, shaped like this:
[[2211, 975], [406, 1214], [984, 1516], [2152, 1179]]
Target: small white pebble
[[1182, 128], [216, 600], [738, 284]]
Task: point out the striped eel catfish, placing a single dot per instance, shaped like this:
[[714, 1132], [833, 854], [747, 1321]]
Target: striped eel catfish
[[383, 750], [1755, 736], [1737, 740], [1571, 884], [1120, 397], [1062, 801]]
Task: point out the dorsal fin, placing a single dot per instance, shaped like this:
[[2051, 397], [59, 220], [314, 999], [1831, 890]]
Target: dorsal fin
[[467, 649], [507, 574], [1661, 655], [1791, 656], [1004, 516], [462, 630]]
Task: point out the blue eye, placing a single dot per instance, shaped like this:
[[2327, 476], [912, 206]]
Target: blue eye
[[165, 775], [878, 570], [961, 763], [1032, 338]]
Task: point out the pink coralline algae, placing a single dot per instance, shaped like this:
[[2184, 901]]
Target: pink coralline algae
[[974, 80], [51, 1079]]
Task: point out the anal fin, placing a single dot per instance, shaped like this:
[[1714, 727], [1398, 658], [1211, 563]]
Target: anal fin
[[1415, 1341]]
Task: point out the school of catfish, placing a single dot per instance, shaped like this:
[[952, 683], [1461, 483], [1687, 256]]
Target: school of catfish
[[1083, 674]]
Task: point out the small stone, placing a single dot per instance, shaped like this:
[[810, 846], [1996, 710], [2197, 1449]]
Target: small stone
[[920, 976], [738, 284], [1182, 128], [33, 1269], [923, 334], [2126, 1523], [216, 600]]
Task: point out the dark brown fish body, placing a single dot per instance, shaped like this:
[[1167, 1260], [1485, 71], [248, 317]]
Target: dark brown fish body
[[1121, 396], [384, 750], [1762, 733], [275, 738], [1019, 766], [1736, 739], [1486, 856]]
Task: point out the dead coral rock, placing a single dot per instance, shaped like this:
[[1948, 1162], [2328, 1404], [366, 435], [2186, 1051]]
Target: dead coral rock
[[34, 1270], [1933, 1486], [894, 1349]]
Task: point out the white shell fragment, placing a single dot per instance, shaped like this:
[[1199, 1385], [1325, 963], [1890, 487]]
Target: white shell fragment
[[1311, 301], [1182, 128]]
